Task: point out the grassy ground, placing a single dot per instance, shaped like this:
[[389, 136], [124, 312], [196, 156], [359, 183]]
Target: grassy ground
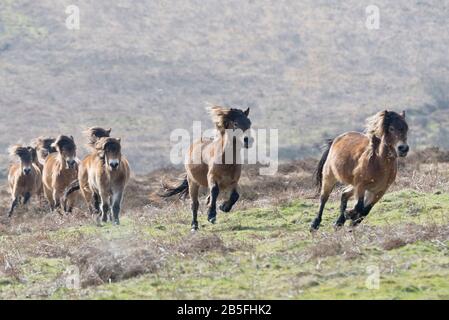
[[251, 253]]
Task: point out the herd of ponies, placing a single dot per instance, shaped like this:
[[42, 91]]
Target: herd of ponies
[[365, 162]]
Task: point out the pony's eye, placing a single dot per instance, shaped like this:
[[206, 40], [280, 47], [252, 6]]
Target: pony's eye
[[391, 129]]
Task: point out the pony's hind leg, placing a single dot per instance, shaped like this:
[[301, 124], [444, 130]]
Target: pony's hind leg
[[227, 205], [328, 185], [193, 191], [345, 196], [212, 211]]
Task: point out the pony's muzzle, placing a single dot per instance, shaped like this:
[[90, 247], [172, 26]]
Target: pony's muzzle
[[403, 150], [71, 163], [114, 164], [26, 171]]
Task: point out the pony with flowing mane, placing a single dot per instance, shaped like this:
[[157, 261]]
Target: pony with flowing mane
[[103, 175], [24, 177], [366, 162], [60, 168], [214, 163]]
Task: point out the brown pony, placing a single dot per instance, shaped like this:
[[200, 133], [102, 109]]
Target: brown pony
[[44, 146], [24, 178], [60, 169], [103, 175], [367, 163], [208, 165]]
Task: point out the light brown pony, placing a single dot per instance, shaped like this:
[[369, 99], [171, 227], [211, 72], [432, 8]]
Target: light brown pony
[[367, 163], [103, 175], [60, 169], [44, 146], [207, 163], [24, 178]]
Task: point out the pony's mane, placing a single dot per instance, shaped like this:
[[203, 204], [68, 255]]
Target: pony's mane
[[94, 134], [44, 144], [221, 115], [64, 141], [378, 124], [20, 151], [33, 154], [375, 125], [102, 142]]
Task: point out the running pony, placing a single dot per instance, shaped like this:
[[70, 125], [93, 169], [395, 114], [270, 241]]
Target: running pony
[[103, 175], [24, 178], [367, 163], [60, 169], [208, 163]]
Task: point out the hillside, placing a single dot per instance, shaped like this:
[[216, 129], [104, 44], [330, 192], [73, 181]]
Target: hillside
[[147, 67]]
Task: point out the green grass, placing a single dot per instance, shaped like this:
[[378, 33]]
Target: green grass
[[269, 254]]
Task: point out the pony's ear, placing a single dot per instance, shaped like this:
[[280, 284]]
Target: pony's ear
[[403, 114], [54, 145], [71, 137], [109, 131], [246, 112], [119, 140]]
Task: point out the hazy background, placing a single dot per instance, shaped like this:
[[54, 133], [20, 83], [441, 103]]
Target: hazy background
[[309, 68]]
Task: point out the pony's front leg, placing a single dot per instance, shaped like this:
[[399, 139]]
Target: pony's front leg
[[212, 211], [14, 203], [345, 196], [104, 207], [57, 199], [116, 205], [227, 205], [370, 201], [357, 211]]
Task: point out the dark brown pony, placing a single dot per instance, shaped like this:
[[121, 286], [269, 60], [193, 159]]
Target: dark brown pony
[[208, 165], [24, 178], [366, 163], [103, 175]]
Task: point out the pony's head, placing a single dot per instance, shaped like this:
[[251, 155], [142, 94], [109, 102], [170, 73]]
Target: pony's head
[[94, 134], [110, 151], [392, 127], [66, 148], [43, 147], [231, 119], [25, 157]]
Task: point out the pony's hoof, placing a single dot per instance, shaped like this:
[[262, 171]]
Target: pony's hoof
[[315, 225], [352, 215], [225, 208], [212, 220], [116, 222], [356, 222]]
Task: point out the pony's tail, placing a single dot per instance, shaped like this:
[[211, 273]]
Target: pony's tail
[[182, 189], [74, 186], [319, 169]]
